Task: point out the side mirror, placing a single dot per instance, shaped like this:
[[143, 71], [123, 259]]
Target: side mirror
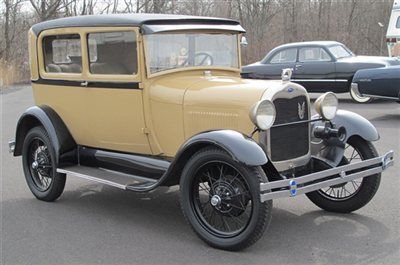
[[243, 41]]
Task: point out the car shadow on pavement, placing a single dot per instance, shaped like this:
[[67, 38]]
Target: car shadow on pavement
[[307, 238]]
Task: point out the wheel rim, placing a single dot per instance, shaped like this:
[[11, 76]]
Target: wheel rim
[[40, 164], [349, 189], [221, 199], [359, 98]]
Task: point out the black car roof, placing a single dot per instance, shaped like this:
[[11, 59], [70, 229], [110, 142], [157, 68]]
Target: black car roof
[[141, 20], [310, 43]]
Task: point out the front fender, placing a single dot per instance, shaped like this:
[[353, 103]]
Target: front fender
[[241, 147], [332, 150], [355, 124]]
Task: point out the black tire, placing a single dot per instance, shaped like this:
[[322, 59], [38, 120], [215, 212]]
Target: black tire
[[246, 184], [40, 168], [363, 193]]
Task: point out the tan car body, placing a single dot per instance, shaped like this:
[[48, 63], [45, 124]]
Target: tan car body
[[169, 107]]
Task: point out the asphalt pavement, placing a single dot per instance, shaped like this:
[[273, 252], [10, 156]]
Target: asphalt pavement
[[96, 224]]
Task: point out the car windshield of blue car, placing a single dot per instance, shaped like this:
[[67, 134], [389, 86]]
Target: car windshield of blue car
[[166, 51], [340, 51]]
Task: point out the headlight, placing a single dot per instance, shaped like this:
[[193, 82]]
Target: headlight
[[263, 114], [326, 105]]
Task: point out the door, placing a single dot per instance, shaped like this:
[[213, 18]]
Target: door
[[115, 100], [282, 59], [315, 70]]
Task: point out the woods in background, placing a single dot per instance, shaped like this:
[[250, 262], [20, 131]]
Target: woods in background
[[268, 23]]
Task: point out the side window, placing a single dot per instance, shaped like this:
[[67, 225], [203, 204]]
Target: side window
[[398, 23], [62, 54], [285, 56], [113, 53], [313, 54]]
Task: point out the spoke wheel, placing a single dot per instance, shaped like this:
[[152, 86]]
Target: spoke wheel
[[353, 195], [40, 168], [346, 190], [221, 199]]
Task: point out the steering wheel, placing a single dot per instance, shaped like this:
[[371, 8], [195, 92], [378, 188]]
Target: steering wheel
[[205, 56]]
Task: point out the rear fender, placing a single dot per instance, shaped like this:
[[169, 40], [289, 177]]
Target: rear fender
[[57, 131]]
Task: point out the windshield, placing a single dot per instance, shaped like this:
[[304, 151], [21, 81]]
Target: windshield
[[340, 51], [179, 50]]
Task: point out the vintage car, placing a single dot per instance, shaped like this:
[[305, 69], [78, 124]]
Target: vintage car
[[319, 66], [140, 101], [377, 83]]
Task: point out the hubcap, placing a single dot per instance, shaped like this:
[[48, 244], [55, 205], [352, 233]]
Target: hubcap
[[40, 164], [35, 165], [215, 200]]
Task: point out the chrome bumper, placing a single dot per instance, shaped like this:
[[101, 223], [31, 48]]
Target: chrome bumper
[[319, 180], [11, 146]]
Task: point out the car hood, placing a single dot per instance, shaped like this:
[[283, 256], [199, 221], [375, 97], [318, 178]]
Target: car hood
[[222, 102], [384, 61]]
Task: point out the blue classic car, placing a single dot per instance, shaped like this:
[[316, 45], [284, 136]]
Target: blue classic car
[[376, 83]]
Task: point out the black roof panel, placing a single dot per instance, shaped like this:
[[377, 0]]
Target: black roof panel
[[139, 20]]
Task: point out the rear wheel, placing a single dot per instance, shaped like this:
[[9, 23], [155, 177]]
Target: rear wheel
[[355, 194], [220, 198], [40, 168]]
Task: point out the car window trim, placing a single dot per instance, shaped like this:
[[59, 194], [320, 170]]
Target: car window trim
[[323, 48], [281, 50]]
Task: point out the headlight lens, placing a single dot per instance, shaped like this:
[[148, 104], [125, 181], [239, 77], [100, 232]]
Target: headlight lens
[[263, 114], [326, 105]]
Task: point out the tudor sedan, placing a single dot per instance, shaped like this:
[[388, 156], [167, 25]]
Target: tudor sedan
[[319, 66]]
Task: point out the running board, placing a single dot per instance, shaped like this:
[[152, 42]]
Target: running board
[[110, 177]]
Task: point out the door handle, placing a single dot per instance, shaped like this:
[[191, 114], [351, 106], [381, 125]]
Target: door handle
[[85, 83], [298, 66]]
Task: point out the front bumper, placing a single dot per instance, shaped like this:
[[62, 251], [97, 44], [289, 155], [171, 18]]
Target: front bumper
[[318, 180], [11, 146]]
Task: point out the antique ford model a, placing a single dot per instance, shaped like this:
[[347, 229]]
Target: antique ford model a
[[141, 101]]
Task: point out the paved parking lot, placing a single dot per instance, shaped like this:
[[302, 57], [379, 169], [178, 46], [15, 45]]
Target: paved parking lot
[[96, 224]]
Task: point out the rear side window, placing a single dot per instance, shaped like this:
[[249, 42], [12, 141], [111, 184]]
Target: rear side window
[[313, 54], [285, 56], [398, 23], [113, 53], [62, 54]]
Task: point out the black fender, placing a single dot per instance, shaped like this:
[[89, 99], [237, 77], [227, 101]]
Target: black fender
[[332, 150], [240, 147], [57, 131]]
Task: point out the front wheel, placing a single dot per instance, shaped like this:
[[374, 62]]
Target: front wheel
[[350, 196], [358, 98], [220, 198]]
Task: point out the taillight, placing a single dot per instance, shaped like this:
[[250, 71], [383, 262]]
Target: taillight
[[391, 40]]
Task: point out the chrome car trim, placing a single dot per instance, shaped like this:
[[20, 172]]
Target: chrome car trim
[[282, 92], [319, 80], [382, 97], [308, 183], [11, 146]]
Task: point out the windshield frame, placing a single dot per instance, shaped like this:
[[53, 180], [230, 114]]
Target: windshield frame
[[351, 54], [192, 68]]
